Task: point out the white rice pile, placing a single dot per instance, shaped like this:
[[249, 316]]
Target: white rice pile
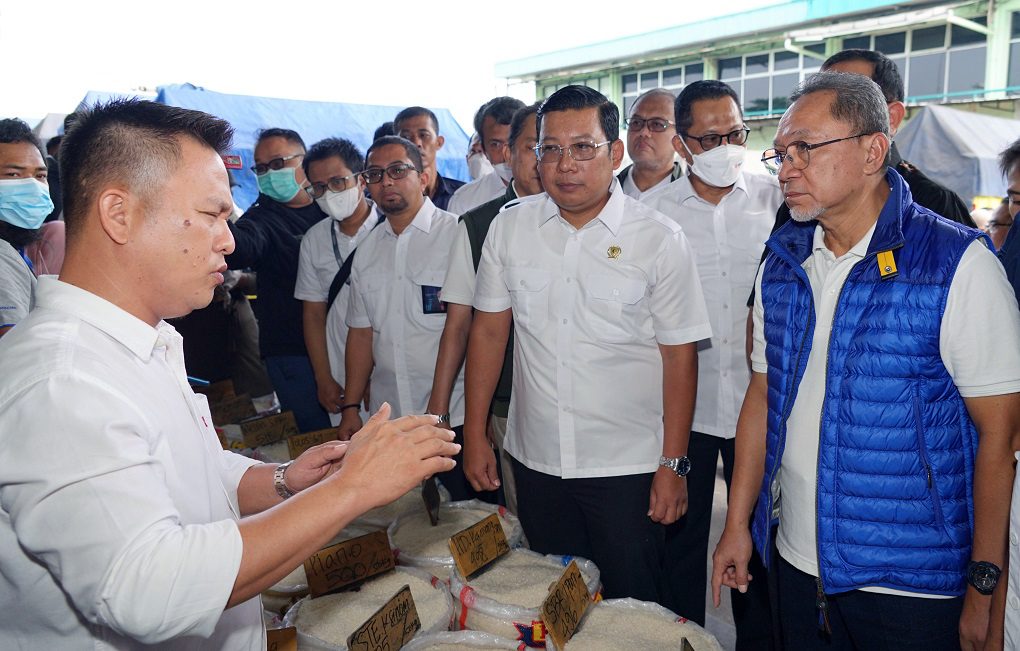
[[381, 517], [327, 621], [273, 453], [419, 543], [630, 624], [520, 579], [459, 641]]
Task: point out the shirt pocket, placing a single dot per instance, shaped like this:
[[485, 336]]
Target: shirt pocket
[[428, 311], [371, 288], [615, 308], [529, 295]]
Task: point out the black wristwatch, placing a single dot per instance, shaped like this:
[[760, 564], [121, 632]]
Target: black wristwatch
[[984, 576]]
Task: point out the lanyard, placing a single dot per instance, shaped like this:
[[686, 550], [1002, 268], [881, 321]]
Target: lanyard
[[31, 267], [336, 247]]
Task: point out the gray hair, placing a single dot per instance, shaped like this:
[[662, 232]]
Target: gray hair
[[858, 100]]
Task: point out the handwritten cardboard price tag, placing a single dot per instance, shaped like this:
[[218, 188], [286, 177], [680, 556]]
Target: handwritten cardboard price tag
[[391, 627], [478, 545], [281, 639], [563, 608], [348, 562], [269, 429], [300, 442], [232, 409]]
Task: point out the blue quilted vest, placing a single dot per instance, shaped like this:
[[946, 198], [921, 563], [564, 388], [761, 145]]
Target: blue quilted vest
[[896, 453]]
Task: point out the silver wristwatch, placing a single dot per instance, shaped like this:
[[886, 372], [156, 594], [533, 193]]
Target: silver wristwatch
[[442, 418], [279, 483], [680, 465]]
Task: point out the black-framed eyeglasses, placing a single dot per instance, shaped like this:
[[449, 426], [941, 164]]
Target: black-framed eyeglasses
[[655, 125], [395, 172], [797, 154], [579, 151], [275, 164], [713, 140], [334, 184]]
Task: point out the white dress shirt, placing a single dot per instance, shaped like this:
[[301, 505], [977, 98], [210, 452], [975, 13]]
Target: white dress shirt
[[17, 286], [727, 240], [631, 189], [590, 308], [983, 365], [387, 289], [119, 506], [317, 266], [471, 195]]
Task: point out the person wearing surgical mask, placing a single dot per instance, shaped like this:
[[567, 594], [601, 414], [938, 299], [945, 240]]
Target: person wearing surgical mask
[[492, 123], [726, 214], [333, 167], [24, 203], [478, 164], [268, 240]]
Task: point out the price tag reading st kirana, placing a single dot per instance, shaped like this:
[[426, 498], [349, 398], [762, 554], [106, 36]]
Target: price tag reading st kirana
[[478, 545], [348, 562], [300, 442], [563, 608], [281, 639], [391, 627]]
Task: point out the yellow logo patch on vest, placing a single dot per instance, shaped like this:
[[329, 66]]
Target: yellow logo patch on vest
[[887, 264]]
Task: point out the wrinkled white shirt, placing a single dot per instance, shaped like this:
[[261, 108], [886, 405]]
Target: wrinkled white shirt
[[119, 507], [471, 195]]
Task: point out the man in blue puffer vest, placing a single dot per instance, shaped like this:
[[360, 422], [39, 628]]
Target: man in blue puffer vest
[[878, 426]]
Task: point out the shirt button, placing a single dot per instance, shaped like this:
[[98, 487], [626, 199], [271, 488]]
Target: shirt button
[[522, 283], [724, 274], [1012, 538], [725, 306], [616, 292], [1014, 603], [564, 322], [569, 279], [726, 341]]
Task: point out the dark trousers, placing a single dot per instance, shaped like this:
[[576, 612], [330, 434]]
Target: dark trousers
[[458, 485], [294, 381], [686, 564], [864, 621], [602, 519]]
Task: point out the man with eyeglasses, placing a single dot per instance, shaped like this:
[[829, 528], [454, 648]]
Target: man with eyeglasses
[[492, 123], [726, 215], [421, 126], [333, 167], [606, 307], [877, 431], [268, 240], [650, 131]]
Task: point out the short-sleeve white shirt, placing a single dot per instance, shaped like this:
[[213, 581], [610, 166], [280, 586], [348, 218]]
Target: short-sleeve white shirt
[[633, 191], [590, 308], [471, 195], [727, 240], [17, 286], [980, 365], [388, 282]]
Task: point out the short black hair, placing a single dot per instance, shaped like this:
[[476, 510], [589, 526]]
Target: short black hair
[[409, 148], [342, 148], [13, 131], [885, 74], [520, 117], [500, 109], [1009, 157], [413, 112], [131, 141], [576, 97], [696, 91], [53, 142], [385, 129], [278, 132]]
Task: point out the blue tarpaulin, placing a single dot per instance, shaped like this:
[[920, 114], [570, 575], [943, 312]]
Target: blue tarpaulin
[[313, 120]]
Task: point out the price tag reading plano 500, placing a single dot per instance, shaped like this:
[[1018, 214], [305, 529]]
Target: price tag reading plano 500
[[348, 562], [478, 545], [391, 627], [563, 609]]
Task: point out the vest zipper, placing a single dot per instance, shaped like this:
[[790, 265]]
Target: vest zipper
[[922, 449]]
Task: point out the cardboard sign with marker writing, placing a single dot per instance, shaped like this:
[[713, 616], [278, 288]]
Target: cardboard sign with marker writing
[[217, 391], [685, 645], [348, 562], [478, 545], [391, 627], [300, 442], [281, 639], [563, 608], [269, 429], [232, 410]]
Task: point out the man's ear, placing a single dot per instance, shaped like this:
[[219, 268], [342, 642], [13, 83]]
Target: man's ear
[[878, 150], [117, 209], [897, 110], [616, 152], [678, 147], [440, 141]]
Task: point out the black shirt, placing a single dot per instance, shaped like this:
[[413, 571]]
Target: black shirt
[[444, 191], [268, 240]]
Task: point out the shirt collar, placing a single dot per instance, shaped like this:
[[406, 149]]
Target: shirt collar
[[858, 250], [685, 189], [611, 215], [422, 219], [133, 333]]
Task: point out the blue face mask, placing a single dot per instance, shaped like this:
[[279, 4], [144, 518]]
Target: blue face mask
[[280, 185], [24, 202]]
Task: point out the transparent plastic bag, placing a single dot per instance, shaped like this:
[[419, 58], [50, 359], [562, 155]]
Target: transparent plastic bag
[[381, 517], [634, 624], [466, 640]]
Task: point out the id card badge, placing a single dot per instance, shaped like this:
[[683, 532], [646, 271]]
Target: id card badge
[[430, 303]]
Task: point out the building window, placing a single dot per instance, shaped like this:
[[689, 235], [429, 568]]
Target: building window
[[764, 81], [1014, 52], [671, 77]]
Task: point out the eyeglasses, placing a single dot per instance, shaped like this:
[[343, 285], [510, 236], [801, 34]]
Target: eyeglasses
[[275, 164], [579, 151], [655, 125], [797, 154], [713, 140], [335, 184], [994, 224], [395, 172]]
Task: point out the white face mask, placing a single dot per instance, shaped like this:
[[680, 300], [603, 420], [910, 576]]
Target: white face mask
[[504, 172], [340, 205], [718, 167], [478, 165]]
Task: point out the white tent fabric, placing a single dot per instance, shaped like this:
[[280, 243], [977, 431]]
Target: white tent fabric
[[959, 149]]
